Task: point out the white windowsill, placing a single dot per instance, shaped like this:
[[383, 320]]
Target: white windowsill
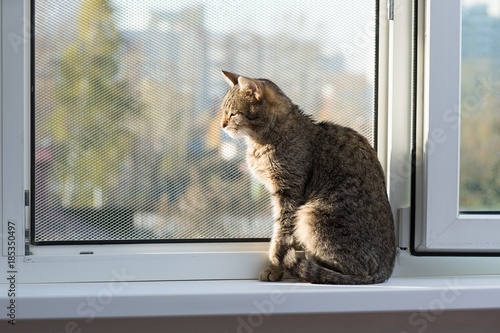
[[237, 297]]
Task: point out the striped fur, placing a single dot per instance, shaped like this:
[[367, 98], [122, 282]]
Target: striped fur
[[327, 187]]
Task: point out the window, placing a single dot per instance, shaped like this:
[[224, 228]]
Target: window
[[89, 227], [127, 144], [82, 217], [460, 141], [480, 89]]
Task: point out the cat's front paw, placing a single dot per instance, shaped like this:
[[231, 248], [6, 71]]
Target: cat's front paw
[[271, 274]]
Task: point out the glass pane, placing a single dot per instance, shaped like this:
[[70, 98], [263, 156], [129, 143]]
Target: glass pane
[[128, 144], [480, 107]]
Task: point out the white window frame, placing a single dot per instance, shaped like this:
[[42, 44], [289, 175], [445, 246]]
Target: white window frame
[[122, 273], [85, 263], [93, 263], [228, 261], [440, 227]]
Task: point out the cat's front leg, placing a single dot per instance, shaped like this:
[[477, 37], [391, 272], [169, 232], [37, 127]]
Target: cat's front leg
[[273, 272], [286, 199], [281, 243]]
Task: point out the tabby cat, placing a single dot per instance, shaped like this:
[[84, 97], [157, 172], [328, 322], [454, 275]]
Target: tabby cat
[[328, 188]]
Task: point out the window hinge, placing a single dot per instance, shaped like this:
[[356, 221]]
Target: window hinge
[[390, 10], [404, 227], [27, 242], [27, 236]]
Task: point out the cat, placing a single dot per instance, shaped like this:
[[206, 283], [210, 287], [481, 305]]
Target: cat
[[327, 188]]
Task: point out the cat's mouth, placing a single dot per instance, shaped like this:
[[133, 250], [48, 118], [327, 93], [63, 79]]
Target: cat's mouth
[[235, 133], [232, 132]]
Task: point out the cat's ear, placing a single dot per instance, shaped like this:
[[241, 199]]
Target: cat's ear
[[252, 85], [231, 78]]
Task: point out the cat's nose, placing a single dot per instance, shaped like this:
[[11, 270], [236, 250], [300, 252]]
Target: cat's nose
[[224, 124]]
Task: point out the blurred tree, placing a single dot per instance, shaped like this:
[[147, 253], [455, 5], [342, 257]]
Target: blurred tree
[[89, 125], [480, 135]]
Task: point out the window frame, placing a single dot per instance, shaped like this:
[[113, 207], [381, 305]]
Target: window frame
[[438, 226], [15, 105], [397, 63], [93, 263], [359, 43], [84, 263]]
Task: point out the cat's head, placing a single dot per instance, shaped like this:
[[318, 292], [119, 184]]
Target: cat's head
[[250, 106]]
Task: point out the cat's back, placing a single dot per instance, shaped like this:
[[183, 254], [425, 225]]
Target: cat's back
[[349, 182], [347, 169], [344, 148]]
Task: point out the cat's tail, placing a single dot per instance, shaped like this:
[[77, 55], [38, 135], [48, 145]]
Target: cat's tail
[[310, 271]]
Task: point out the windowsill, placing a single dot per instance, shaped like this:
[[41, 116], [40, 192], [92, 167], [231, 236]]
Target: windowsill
[[237, 297]]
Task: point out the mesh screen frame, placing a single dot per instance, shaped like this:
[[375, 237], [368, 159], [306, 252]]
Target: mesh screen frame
[[103, 231]]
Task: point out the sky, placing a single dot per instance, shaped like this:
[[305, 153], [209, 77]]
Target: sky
[[309, 19], [493, 6], [340, 26], [224, 14]]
